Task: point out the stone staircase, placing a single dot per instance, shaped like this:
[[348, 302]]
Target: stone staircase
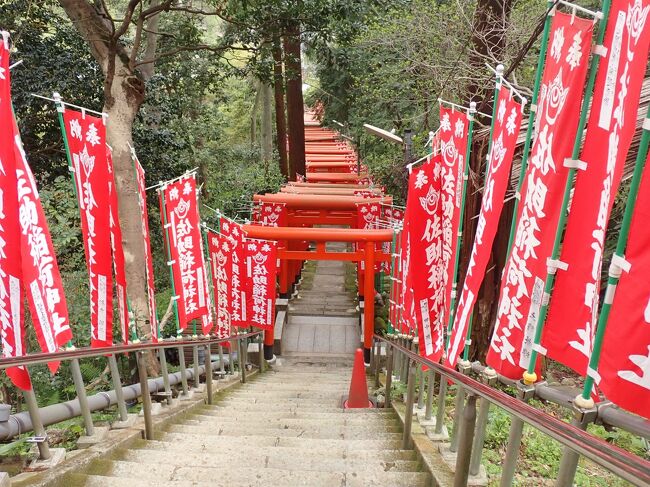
[[284, 428]]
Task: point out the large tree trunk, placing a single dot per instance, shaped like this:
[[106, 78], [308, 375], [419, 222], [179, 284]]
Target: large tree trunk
[[280, 116], [295, 104], [267, 123]]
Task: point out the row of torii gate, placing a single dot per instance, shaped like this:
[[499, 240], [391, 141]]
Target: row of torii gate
[[327, 197]]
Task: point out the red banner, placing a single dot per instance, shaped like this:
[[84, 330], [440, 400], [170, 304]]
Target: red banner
[[507, 123], [272, 214], [118, 252], [11, 287], [148, 258], [625, 358], [453, 134], [219, 251], [41, 277], [185, 245], [558, 111], [611, 126], [86, 137], [262, 270], [423, 268], [237, 273]]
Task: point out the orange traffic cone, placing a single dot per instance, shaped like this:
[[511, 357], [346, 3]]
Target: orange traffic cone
[[358, 396]]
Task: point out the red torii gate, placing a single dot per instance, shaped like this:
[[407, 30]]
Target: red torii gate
[[368, 253]]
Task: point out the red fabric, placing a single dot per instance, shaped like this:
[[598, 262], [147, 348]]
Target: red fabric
[[41, 277], [273, 214], [219, 251], [148, 258], [185, 244], [611, 126], [507, 123], [86, 136], [453, 134], [236, 262], [261, 272], [625, 358], [423, 276], [118, 252], [11, 287], [558, 111]]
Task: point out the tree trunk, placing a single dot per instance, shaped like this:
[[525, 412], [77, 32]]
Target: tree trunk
[[280, 116], [147, 69], [267, 123], [257, 85], [295, 104]]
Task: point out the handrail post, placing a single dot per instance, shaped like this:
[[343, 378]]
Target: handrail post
[[397, 356], [465, 368], [260, 351], [37, 425], [81, 396], [408, 415], [421, 382], [146, 398], [570, 458], [181, 361], [466, 438], [165, 375], [389, 374], [222, 366], [242, 364], [377, 362], [440, 412], [117, 385], [207, 361], [431, 383], [524, 393], [195, 359], [489, 377]]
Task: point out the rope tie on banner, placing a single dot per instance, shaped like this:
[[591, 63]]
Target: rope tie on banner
[[575, 164], [498, 71], [176, 297], [546, 298], [171, 262], [618, 265], [599, 50], [594, 375], [5, 39], [646, 124], [517, 196], [468, 342], [552, 266], [539, 349], [533, 107]]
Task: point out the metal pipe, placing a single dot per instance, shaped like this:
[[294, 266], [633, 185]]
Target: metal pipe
[[421, 379], [81, 396], [377, 363], [195, 360], [222, 366], [479, 438], [207, 363], [117, 385], [242, 364], [389, 374], [34, 415], [408, 415], [146, 398], [22, 422], [466, 438], [442, 397], [569, 461], [458, 413]]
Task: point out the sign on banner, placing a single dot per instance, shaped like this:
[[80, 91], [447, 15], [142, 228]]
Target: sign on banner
[[185, 245], [237, 270], [453, 136], [11, 286], [86, 137], [118, 251], [423, 266], [558, 111], [261, 272], [219, 251], [273, 214], [148, 258], [611, 126], [507, 123], [625, 357]]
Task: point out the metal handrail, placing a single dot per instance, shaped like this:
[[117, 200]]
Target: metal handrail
[[86, 352], [621, 462]]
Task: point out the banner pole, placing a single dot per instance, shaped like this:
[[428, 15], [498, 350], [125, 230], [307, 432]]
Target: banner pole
[[585, 399], [206, 251], [497, 89], [530, 377], [531, 122], [391, 294], [459, 237], [161, 193]]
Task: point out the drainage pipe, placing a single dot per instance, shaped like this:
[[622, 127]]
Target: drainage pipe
[[22, 423]]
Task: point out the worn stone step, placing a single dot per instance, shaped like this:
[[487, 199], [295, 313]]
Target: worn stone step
[[327, 433], [271, 417], [211, 442], [281, 401], [268, 457], [291, 394], [372, 414], [299, 425], [236, 450], [261, 408]]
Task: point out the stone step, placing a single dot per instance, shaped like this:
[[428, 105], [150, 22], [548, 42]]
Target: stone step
[[281, 401], [236, 450], [299, 425], [309, 461], [322, 320], [372, 415], [359, 433], [285, 409], [277, 394], [127, 476], [272, 417], [211, 442]]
